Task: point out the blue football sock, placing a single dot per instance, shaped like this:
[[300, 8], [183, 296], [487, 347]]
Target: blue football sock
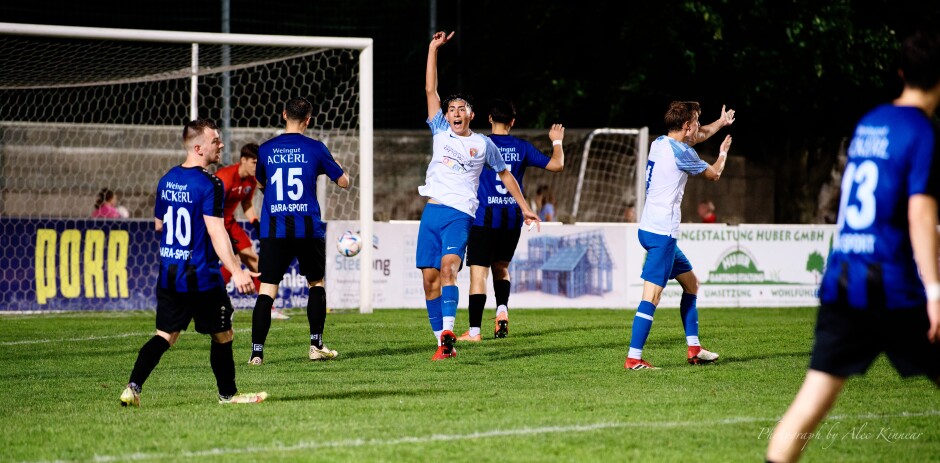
[[449, 297], [642, 322], [689, 314], [434, 314]]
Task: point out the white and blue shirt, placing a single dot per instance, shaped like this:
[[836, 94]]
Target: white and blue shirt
[[454, 172], [668, 168]]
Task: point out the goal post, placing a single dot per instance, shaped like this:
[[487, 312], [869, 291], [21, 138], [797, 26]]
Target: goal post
[[611, 175], [91, 107]]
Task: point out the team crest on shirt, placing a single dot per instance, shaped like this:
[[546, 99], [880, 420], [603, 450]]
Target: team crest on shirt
[[473, 152]]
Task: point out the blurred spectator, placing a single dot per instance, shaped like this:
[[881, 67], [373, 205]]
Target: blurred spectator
[[706, 211], [629, 214], [545, 200], [106, 206]]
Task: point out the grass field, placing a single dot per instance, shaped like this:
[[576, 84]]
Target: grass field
[[555, 390]]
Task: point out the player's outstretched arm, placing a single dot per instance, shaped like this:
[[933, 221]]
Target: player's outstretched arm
[[557, 135], [922, 217], [706, 131], [713, 172], [510, 183], [215, 226], [430, 77]]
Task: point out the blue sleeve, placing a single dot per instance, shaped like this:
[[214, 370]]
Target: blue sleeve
[[493, 158], [261, 172], [689, 162], [213, 204], [922, 178], [158, 206], [534, 157], [438, 124], [329, 165]]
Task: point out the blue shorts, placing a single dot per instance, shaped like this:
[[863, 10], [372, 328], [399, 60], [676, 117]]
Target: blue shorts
[[664, 259], [443, 231]]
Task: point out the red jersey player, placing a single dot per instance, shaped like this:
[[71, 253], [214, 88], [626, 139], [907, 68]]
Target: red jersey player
[[240, 184]]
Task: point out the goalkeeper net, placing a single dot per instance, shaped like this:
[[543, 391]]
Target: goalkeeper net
[[85, 109], [611, 178]]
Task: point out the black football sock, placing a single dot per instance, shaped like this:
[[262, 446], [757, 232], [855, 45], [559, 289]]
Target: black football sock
[[147, 360], [223, 366], [260, 324], [477, 302], [501, 288], [316, 315]]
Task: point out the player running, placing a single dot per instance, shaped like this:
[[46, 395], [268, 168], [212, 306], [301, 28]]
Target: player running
[[188, 215]]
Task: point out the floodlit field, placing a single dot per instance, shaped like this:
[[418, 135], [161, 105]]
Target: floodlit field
[[555, 390]]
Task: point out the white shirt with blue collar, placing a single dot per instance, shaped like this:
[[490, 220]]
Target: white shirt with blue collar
[[454, 172]]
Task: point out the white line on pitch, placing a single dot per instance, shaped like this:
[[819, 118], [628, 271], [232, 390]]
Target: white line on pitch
[[98, 338], [349, 443]]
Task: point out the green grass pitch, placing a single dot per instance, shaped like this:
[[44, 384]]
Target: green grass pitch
[[554, 390]]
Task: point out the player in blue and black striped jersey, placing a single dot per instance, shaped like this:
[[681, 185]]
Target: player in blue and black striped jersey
[[288, 166], [188, 215], [495, 232], [881, 289]]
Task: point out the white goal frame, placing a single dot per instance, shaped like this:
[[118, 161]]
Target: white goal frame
[[366, 97], [643, 136]]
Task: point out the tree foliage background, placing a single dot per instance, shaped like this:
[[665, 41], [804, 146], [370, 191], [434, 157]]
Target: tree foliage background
[[799, 73]]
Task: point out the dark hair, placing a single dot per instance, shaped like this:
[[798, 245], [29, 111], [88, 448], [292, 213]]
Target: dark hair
[[457, 96], [502, 111], [920, 59], [250, 151], [679, 113], [196, 127], [104, 195], [298, 109]]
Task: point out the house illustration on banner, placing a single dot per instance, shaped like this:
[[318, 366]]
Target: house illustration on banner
[[571, 266]]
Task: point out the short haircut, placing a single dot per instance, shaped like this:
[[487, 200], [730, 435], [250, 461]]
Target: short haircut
[[250, 151], [502, 111], [196, 127], [457, 96], [298, 109], [920, 59], [679, 113], [104, 195]]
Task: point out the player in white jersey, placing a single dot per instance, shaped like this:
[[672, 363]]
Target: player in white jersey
[[451, 187], [671, 160]]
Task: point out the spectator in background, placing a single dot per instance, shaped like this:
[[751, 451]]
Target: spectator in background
[[546, 203], [706, 211], [106, 206]]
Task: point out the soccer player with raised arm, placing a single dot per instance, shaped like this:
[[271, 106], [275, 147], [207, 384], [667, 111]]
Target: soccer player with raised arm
[[239, 182], [881, 289], [498, 222], [671, 161], [288, 167], [188, 215], [453, 175]]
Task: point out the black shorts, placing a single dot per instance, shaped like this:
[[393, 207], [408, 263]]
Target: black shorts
[[488, 245], [278, 253], [211, 310], [849, 340]]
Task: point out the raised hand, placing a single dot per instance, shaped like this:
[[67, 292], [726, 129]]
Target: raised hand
[[440, 38]]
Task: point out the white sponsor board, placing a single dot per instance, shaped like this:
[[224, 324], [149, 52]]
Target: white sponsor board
[[599, 266], [744, 266]]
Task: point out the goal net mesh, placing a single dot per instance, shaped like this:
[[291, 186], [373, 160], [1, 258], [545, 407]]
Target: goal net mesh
[[80, 115]]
